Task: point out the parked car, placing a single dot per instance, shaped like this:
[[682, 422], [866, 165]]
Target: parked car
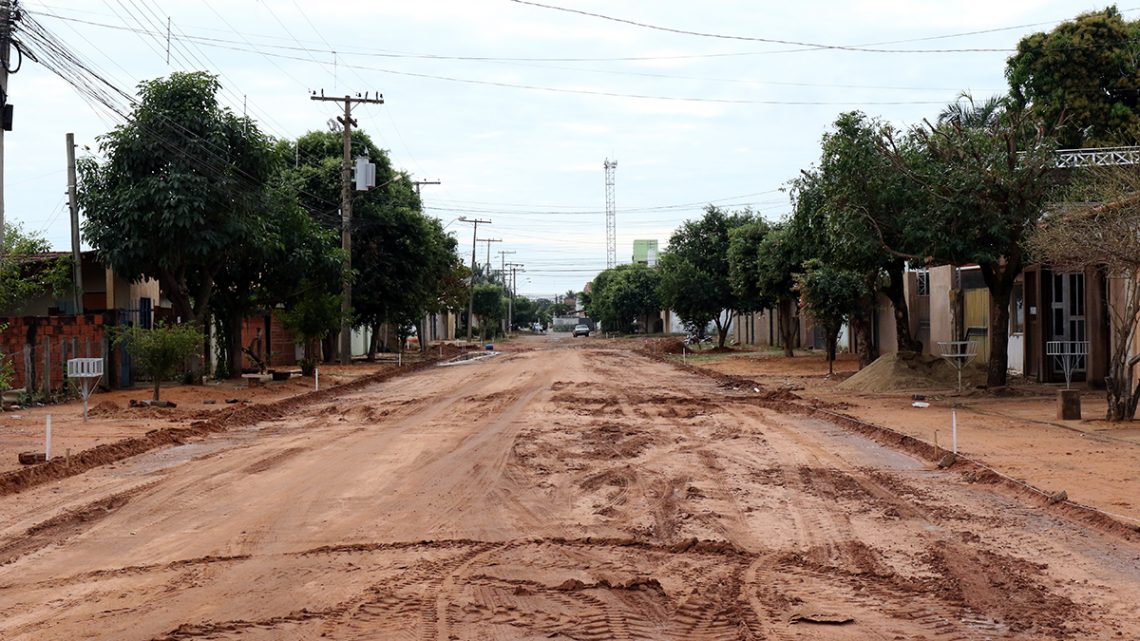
[[581, 330]]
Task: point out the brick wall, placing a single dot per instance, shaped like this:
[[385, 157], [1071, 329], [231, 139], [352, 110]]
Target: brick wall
[[278, 345], [39, 347]]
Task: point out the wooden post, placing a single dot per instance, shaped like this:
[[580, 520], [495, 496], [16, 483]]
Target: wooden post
[[1069, 405]]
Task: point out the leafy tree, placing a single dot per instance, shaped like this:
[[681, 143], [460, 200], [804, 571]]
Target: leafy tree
[[623, 295], [743, 265], [868, 209], [490, 307], [779, 257], [25, 273], [404, 265], [989, 180], [695, 270], [160, 351], [833, 295], [182, 189], [313, 317], [1087, 70], [1105, 236]]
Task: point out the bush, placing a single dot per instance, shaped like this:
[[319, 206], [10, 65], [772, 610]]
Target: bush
[[159, 352]]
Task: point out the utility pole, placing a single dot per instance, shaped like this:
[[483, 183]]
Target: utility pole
[[76, 259], [471, 298], [417, 183], [8, 16], [489, 241], [515, 267], [346, 214], [503, 261]]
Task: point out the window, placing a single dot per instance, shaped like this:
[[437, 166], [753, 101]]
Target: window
[[1017, 309], [923, 278]]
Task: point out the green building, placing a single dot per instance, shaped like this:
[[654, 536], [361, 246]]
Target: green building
[[645, 252]]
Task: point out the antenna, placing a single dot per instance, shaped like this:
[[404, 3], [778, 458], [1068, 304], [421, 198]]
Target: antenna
[[611, 215]]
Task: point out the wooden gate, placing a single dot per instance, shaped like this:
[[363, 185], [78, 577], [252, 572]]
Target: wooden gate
[[976, 313]]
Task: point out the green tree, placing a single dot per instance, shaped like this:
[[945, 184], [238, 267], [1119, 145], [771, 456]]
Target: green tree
[[160, 351], [490, 307], [404, 264], [182, 189], [623, 295], [695, 271], [868, 208], [312, 317], [833, 295], [989, 180], [1087, 70], [779, 257], [743, 265], [25, 272]]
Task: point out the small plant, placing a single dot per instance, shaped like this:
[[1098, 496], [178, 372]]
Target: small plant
[[161, 351]]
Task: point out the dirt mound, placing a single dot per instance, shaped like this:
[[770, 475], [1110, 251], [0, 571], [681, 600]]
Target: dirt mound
[[104, 408], [910, 371]]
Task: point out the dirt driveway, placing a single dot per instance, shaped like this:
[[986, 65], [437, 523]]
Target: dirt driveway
[[564, 490]]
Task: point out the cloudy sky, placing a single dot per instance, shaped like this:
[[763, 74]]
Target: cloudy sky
[[515, 106]]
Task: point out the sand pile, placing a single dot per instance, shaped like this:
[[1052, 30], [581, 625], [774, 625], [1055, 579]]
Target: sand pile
[[909, 371]]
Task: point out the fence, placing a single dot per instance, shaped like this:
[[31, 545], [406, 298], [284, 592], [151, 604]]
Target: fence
[[38, 347]]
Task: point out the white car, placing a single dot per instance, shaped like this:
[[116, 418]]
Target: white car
[[581, 330]]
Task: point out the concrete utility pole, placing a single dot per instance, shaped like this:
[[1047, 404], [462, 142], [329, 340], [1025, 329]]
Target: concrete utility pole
[[515, 268], [503, 260], [489, 241], [77, 267], [346, 214], [471, 298]]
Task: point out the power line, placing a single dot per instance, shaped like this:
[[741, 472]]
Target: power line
[[719, 36]]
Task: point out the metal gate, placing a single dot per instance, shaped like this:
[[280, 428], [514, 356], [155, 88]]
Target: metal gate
[[1067, 312]]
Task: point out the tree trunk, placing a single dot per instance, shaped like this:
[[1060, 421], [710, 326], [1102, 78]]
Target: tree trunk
[[785, 315], [157, 385], [373, 340], [722, 330], [1119, 383], [896, 292], [997, 369], [832, 341], [861, 329]]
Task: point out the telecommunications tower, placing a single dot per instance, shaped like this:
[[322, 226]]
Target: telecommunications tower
[[611, 217]]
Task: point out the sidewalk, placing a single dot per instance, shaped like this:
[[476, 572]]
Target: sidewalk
[[1097, 463]]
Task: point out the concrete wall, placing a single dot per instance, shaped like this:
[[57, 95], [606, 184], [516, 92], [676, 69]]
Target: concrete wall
[[941, 328]]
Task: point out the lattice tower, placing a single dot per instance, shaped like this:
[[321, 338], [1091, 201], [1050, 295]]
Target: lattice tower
[[611, 215]]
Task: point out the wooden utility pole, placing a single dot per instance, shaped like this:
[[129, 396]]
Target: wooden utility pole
[[346, 214], [489, 241], [73, 203], [503, 260], [7, 17], [471, 297], [417, 183]]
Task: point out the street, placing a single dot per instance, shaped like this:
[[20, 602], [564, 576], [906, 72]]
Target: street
[[564, 489]]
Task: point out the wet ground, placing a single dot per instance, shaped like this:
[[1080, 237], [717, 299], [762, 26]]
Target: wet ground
[[565, 489]]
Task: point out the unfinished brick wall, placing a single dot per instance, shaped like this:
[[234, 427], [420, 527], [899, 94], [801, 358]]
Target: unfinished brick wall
[[278, 345], [39, 347]]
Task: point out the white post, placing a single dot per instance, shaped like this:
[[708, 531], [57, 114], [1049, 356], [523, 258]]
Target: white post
[[683, 357], [47, 440], [317, 378], [954, 430]]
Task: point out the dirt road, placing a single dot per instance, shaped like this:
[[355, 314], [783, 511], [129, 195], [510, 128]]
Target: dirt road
[[559, 492]]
